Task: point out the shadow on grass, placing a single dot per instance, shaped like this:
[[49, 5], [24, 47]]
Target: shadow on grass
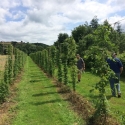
[[47, 102], [35, 81], [42, 94], [35, 75], [109, 97], [38, 76], [53, 86], [122, 79], [94, 97]]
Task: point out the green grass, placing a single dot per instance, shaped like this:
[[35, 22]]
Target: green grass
[[116, 105], [38, 102], [88, 81]]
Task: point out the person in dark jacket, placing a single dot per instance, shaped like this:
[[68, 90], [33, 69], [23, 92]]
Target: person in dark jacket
[[117, 66], [80, 66]]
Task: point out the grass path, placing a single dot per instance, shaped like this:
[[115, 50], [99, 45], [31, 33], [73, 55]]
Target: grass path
[[38, 102], [116, 105], [88, 81]]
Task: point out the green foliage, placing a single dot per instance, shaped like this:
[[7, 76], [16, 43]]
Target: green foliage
[[67, 50], [6, 80], [29, 48], [94, 42], [80, 32], [40, 101], [72, 50], [1, 49], [15, 70], [17, 62], [50, 70], [50, 63], [60, 71], [3, 91], [61, 39], [97, 56], [102, 38], [94, 22], [121, 43], [10, 64], [65, 71], [122, 58], [85, 43], [73, 76], [46, 60], [14, 64], [119, 30], [72, 57], [53, 58], [53, 54]]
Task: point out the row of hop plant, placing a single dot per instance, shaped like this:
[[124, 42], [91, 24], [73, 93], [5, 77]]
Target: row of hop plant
[[95, 58], [61, 59], [14, 65]]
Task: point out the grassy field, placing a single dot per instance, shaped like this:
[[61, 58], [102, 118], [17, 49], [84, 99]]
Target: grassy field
[[38, 102], [88, 82], [116, 104], [3, 59]]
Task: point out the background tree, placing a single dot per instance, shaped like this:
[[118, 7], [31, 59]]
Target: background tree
[[94, 22], [1, 49], [119, 30], [79, 32], [61, 39]]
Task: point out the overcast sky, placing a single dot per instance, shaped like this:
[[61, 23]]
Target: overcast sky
[[42, 20]]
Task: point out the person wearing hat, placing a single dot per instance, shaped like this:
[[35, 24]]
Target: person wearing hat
[[116, 65]]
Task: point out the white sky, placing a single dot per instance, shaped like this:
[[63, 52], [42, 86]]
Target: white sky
[[42, 20]]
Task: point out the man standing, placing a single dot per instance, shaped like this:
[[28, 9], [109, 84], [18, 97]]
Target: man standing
[[116, 65], [80, 66]]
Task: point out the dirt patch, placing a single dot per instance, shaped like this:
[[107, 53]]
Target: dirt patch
[[77, 102]]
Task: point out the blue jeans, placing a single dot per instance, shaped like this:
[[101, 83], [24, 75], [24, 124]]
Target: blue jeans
[[115, 84]]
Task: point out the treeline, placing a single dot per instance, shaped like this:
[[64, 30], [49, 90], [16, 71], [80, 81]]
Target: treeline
[[85, 36], [14, 65], [94, 36], [25, 47]]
